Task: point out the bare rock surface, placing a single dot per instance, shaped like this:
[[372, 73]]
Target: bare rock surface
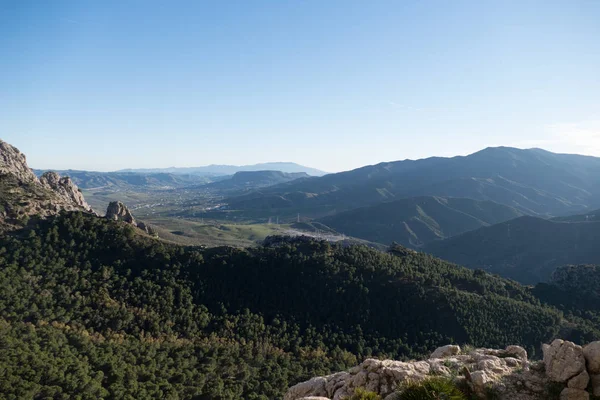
[[502, 369], [23, 195], [563, 360], [118, 211]]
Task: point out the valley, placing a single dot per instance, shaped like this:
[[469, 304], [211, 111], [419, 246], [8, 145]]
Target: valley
[[206, 273]]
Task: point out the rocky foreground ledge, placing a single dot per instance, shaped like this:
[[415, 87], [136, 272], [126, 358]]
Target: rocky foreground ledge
[[567, 372]]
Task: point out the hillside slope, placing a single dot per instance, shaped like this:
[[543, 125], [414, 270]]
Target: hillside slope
[[24, 195], [416, 221], [130, 180], [89, 307], [526, 249], [247, 180], [534, 181]]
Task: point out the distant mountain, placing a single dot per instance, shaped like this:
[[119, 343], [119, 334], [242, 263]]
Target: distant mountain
[[526, 249], [416, 221], [534, 181], [248, 180], [92, 179], [287, 167], [590, 216]]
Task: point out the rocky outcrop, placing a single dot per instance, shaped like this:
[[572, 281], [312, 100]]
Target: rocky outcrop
[[446, 351], [13, 162], [507, 373], [484, 368], [66, 189], [118, 211], [591, 353], [23, 195]]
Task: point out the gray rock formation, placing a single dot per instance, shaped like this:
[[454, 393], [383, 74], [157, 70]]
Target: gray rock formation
[[563, 360], [65, 188], [23, 195], [445, 351], [487, 367], [13, 162], [118, 211], [591, 352], [508, 373]]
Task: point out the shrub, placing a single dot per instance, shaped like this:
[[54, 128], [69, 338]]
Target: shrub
[[436, 388], [362, 394]]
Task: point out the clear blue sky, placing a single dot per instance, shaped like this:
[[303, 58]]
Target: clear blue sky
[[334, 84]]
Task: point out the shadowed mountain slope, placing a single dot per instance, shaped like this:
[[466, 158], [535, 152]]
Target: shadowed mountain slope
[[416, 221]]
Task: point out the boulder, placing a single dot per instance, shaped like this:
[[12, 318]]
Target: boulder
[[574, 394], [579, 381], [517, 351], [591, 352], [563, 360], [595, 384], [445, 351], [314, 398], [118, 211], [311, 388]]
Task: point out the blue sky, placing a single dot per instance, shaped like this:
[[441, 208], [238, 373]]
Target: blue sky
[[104, 85]]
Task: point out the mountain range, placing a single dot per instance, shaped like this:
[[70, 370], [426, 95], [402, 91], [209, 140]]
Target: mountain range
[[132, 180], [249, 180], [533, 181], [94, 307], [287, 167]]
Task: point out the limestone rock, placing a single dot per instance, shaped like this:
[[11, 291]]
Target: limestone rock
[[563, 360], [314, 398], [517, 351], [574, 394], [117, 211], [312, 388], [591, 352], [13, 162], [489, 367], [25, 196], [595, 384], [445, 351], [579, 381], [65, 188]]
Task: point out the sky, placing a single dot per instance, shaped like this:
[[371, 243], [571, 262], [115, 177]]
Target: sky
[[335, 84]]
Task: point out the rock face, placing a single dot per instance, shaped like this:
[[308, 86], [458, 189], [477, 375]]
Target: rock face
[[13, 162], [507, 373], [486, 367], [563, 360], [591, 352], [65, 188], [118, 211], [23, 195], [445, 351]]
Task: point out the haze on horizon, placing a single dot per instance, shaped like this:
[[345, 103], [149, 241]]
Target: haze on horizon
[[331, 85]]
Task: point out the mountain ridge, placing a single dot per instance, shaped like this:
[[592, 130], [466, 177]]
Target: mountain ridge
[[527, 249], [534, 181], [224, 169], [416, 221]]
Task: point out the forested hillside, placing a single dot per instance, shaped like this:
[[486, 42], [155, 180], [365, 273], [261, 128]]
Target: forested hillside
[[417, 221], [526, 249], [91, 308]]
